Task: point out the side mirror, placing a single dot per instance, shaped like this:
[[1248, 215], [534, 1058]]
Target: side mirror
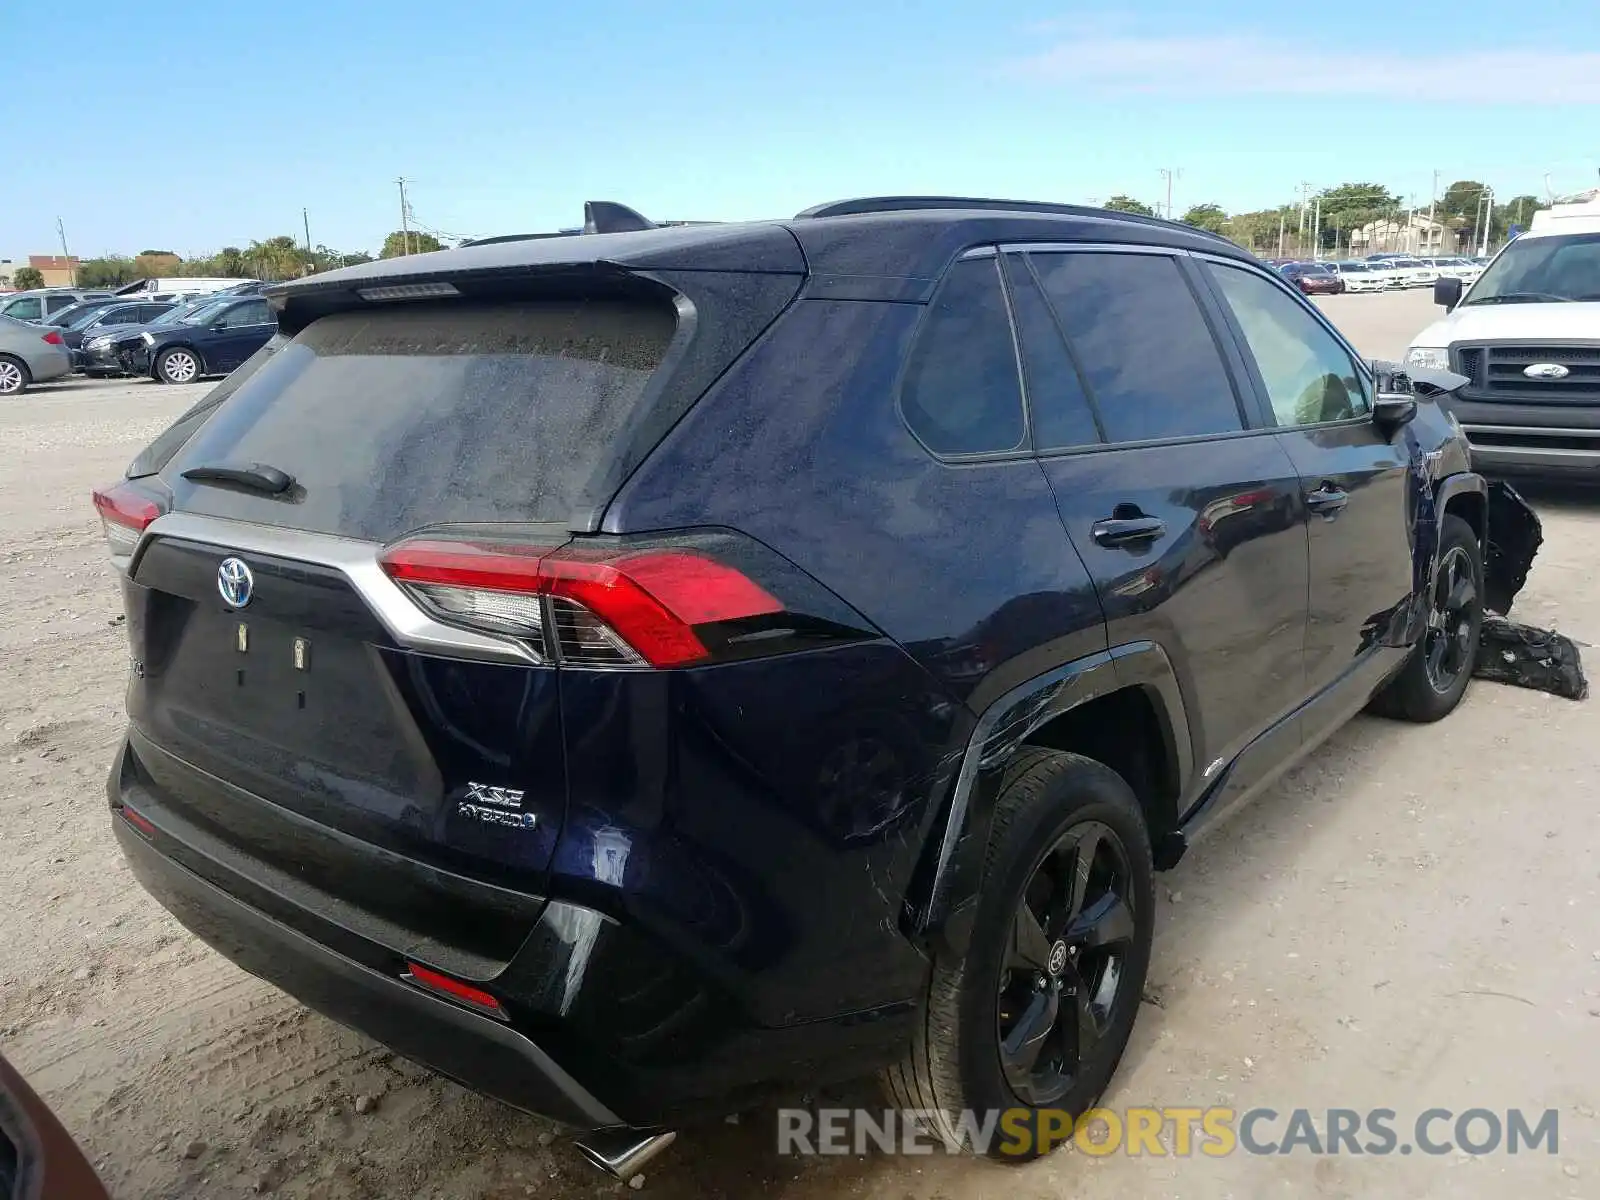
[[1390, 410], [1447, 292]]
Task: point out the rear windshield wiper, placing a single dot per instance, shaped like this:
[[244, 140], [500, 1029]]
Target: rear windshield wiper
[[258, 477], [1523, 298]]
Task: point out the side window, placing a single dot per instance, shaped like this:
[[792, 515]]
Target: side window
[[26, 309], [54, 304], [1151, 364], [962, 393], [1309, 377], [149, 312], [1062, 417], [242, 315]]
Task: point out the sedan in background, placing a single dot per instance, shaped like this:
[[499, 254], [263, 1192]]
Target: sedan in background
[[103, 318], [1359, 276], [212, 344], [111, 352], [1312, 278], [30, 353], [43, 303]]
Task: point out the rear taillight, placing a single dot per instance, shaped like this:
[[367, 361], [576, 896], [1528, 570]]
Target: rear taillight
[[125, 513], [54, 337], [627, 609], [664, 602]]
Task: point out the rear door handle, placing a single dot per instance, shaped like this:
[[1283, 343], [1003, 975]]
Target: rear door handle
[[1327, 500], [1127, 531]]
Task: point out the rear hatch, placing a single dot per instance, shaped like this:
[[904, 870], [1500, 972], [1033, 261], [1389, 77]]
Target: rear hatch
[[273, 654]]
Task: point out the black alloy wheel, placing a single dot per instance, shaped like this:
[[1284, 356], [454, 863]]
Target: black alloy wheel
[[1064, 978], [1448, 642]]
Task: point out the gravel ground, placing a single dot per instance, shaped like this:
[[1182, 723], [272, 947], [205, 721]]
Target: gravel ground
[[1410, 920]]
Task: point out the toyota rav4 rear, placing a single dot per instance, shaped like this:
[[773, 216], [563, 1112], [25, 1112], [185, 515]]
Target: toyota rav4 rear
[[413, 738]]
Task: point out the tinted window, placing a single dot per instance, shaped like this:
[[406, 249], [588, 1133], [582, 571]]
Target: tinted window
[[1309, 377], [1152, 366], [399, 416], [122, 314], [57, 303], [1060, 408], [253, 313], [149, 312], [962, 394]]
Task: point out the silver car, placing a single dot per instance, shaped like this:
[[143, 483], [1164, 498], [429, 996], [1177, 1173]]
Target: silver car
[[30, 354]]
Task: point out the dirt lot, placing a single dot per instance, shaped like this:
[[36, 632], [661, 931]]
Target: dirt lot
[[1411, 920]]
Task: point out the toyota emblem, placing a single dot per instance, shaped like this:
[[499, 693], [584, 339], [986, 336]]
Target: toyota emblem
[[235, 582]]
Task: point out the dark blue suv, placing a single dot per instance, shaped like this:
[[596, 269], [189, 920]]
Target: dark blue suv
[[634, 670]]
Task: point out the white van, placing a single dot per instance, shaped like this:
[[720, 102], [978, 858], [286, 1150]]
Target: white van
[[1527, 335], [175, 288]]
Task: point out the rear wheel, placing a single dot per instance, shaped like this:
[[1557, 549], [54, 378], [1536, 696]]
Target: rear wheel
[[1037, 1012], [1436, 675], [14, 377], [177, 365]]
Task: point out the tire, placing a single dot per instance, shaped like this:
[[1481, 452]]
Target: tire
[[1421, 692], [178, 364], [14, 376], [975, 1001]]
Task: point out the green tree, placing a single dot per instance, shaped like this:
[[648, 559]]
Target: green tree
[[1518, 211], [1128, 204], [107, 271], [24, 278], [399, 242], [1207, 216], [278, 257]]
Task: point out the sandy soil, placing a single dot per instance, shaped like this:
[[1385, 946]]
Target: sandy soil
[[1410, 920]]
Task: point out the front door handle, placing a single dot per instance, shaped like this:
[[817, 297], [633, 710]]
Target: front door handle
[[1127, 531], [1327, 500]]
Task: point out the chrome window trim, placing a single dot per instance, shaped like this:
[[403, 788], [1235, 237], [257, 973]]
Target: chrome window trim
[[357, 561]]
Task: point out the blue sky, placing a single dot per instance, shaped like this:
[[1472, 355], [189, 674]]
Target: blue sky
[[229, 117]]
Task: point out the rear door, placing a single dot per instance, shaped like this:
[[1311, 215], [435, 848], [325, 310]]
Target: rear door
[[242, 330], [1354, 476], [1186, 513], [274, 654]]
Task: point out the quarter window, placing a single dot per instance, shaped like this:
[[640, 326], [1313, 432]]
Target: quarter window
[[962, 393], [1309, 377], [1151, 364]]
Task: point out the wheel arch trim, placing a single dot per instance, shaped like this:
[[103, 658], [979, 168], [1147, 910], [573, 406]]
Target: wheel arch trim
[[954, 855]]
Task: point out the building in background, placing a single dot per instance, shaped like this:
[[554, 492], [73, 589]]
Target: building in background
[[1411, 234], [57, 269]]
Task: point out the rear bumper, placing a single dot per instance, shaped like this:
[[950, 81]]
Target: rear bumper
[[45, 367], [478, 1051]]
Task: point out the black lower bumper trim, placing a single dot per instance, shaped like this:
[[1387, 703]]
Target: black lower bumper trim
[[476, 1051]]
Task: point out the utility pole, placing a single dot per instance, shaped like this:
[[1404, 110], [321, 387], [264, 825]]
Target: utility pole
[[1316, 232], [405, 217], [1433, 197], [62, 230], [1548, 194], [306, 217], [1169, 174], [1282, 223]]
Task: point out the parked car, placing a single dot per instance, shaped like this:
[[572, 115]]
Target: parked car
[[38, 1158], [1527, 337], [111, 353], [199, 346], [30, 353], [42, 303], [175, 286], [1358, 276], [1312, 278], [508, 680], [1390, 273], [100, 318]]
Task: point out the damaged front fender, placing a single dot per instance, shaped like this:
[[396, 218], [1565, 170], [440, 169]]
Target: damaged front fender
[[1515, 535]]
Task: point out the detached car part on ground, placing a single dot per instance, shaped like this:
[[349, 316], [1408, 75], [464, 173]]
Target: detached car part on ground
[[637, 671]]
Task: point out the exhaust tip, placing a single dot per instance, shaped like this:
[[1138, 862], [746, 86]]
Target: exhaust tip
[[621, 1152]]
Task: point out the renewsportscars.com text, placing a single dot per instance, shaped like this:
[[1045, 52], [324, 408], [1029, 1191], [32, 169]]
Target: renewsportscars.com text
[[1176, 1131]]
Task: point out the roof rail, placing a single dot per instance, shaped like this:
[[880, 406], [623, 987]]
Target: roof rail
[[882, 204]]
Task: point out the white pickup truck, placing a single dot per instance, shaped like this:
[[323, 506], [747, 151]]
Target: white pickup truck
[[1527, 334]]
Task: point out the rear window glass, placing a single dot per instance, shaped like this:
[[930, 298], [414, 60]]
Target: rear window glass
[[397, 417]]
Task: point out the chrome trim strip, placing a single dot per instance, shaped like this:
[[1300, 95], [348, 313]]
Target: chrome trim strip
[[1096, 247], [1550, 453], [357, 561], [1533, 430]]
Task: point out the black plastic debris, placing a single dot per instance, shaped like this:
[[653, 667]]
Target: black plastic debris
[[1532, 658], [1515, 535]]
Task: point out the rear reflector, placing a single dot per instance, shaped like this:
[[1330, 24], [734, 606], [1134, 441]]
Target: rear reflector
[[125, 513], [53, 337], [613, 607], [138, 821], [433, 981]]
